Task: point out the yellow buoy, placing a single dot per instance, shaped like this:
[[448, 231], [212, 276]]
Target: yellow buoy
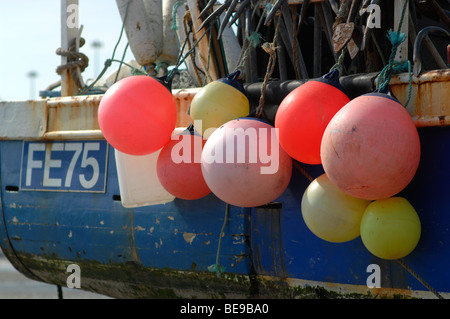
[[390, 228], [331, 214], [217, 103]]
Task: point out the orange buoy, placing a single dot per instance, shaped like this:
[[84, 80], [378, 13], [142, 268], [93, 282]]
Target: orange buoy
[[371, 147], [179, 167], [303, 116], [243, 164], [137, 115]]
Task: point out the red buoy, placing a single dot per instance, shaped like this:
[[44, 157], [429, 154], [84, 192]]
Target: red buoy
[[303, 116], [371, 147], [243, 164], [179, 169], [137, 115]]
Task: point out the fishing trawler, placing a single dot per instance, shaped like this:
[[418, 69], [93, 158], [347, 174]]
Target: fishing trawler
[[69, 197]]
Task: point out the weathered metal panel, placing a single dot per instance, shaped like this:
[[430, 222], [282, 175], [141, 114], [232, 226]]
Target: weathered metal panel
[[73, 113], [23, 119], [430, 96]]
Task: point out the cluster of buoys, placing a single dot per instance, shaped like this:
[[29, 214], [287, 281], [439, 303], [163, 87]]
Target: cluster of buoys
[[225, 151], [137, 116], [369, 148], [242, 162]]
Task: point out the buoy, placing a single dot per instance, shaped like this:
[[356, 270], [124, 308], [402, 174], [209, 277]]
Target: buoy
[[137, 115], [304, 114], [170, 47], [243, 164], [371, 147], [179, 167], [390, 228], [331, 214], [217, 103], [144, 28]]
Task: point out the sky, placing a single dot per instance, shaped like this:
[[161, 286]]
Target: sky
[[30, 33]]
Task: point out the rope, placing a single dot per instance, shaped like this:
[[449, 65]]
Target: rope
[[121, 62], [396, 38], [271, 50], [182, 58], [302, 170], [423, 282], [218, 268], [338, 65], [74, 60], [174, 12], [108, 61], [251, 42]]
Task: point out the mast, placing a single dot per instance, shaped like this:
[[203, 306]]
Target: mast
[[70, 33]]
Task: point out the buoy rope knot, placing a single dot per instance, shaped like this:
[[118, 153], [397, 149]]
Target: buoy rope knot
[[74, 60], [393, 67], [338, 64], [270, 49]]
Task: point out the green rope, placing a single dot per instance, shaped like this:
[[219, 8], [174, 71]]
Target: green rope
[[393, 67], [174, 13], [108, 61], [121, 62], [218, 268], [338, 65]]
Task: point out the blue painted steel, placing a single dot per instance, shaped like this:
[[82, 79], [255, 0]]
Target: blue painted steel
[[183, 235], [95, 226]]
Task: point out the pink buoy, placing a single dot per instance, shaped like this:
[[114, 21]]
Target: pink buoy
[[179, 169], [243, 164], [371, 147], [137, 115]]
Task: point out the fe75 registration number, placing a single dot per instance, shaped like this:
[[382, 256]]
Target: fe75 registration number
[[64, 166]]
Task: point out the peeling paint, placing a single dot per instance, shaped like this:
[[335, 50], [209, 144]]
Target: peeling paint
[[238, 239], [171, 217], [189, 237], [139, 228]]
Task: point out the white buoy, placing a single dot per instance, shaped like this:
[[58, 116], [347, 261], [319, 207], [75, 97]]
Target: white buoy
[[144, 29], [170, 47]]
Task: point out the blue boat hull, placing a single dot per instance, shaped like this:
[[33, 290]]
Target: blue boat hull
[[165, 250]]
